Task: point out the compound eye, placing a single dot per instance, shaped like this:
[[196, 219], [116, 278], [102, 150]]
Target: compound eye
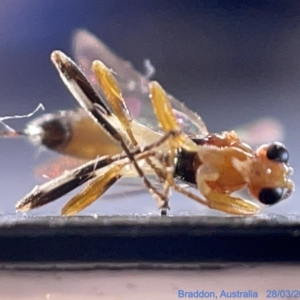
[[278, 152], [270, 196]]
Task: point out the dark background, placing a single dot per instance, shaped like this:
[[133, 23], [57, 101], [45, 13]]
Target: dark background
[[231, 61]]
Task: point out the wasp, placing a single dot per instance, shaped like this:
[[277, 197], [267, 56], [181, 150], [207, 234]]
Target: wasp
[[163, 138]]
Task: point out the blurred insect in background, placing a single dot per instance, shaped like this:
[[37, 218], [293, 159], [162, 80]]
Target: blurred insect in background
[[139, 128]]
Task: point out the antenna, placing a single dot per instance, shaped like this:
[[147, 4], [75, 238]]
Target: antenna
[[11, 132]]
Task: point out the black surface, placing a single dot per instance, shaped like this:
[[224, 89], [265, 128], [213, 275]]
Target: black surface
[[122, 239]]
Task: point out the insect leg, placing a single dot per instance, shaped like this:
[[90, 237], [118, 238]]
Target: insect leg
[[222, 201], [167, 119], [163, 111], [114, 96], [116, 101], [168, 162], [189, 194], [230, 204], [93, 190]]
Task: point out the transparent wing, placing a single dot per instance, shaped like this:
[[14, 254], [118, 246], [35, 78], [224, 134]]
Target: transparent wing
[[56, 166], [261, 131], [134, 85]]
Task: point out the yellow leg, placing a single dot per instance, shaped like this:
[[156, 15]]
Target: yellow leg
[[223, 202], [169, 167], [167, 162], [92, 191], [164, 113], [114, 96], [232, 205], [190, 195]]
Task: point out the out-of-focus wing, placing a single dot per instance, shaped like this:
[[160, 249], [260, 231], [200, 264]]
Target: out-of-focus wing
[[56, 166], [134, 85], [261, 131]]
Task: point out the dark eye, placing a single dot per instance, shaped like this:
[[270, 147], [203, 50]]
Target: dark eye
[[278, 152], [270, 196]]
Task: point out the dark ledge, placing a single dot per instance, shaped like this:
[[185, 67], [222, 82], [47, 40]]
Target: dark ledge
[[130, 239]]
